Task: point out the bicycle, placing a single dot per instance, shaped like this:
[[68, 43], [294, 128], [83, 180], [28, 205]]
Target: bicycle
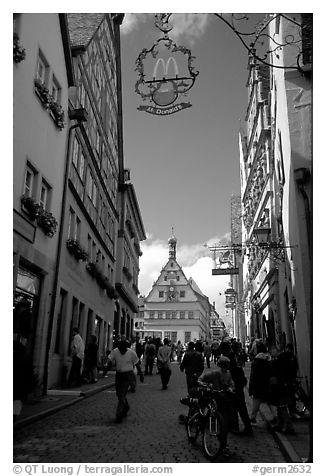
[[204, 417]]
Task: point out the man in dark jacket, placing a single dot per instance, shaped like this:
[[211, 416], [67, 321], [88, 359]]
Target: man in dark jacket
[[240, 382], [283, 371], [289, 369], [192, 363], [259, 379]]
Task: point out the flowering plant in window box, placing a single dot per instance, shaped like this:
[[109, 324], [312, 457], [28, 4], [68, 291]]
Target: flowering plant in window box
[[31, 206], [101, 279], [42, 92], [92, 268], [58, 113], [96, 273], [43, 218], [110, 290], [76, 250], [19, 51], [47, 222]]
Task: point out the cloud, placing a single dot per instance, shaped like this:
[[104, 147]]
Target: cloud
[[195, 261], [188, 26], [131, 22]]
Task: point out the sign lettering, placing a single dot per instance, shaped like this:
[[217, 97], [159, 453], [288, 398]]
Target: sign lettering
[[159, 111]]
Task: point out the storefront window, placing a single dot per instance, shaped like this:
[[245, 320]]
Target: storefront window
[[25, 307]]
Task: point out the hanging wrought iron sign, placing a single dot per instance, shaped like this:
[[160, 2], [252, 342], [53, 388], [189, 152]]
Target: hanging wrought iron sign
[[165, 73]]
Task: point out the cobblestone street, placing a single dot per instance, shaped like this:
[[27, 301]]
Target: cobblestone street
[[151, 433]]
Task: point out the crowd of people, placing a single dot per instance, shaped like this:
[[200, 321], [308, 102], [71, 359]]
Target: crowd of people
[[272, 377], [271, 381]]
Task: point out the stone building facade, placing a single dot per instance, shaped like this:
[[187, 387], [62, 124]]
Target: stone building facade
[[42, 76], [275, 159], [68, 157]]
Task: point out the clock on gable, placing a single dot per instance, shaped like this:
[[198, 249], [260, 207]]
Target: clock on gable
[[172, 293]]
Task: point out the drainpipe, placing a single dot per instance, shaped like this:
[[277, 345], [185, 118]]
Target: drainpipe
[[81, 116]]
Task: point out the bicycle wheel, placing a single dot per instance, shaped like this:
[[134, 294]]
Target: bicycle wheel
[[193, 424], [214, 435]]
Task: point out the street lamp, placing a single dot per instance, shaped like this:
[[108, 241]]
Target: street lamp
[[262, 235]]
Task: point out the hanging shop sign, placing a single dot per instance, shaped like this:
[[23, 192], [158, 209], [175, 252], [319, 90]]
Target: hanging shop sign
[[165, 73], [224, 271]]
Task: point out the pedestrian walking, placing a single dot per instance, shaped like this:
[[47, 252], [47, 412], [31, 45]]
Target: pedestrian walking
[[164, 363], [221, 379], [240, 381], [24, 379], [259, 379], [139, 348], [279, 390], [254, 348], [173, 351], [192, 364], [207, 354], [124, 360], [149, 354], [289, 367], [243, 357], [214, 349], [91, 360], [179, 351], [133, 379], [199, 347], [77, 353]]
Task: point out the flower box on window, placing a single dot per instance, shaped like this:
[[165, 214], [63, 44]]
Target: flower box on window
[[57, 114], [76, 250], [97, 274], [47, 222], [92, 268], [19, 51], [44, 219], [49, 104], [100, 278], [31, 206], [42, 93], [110, 290]]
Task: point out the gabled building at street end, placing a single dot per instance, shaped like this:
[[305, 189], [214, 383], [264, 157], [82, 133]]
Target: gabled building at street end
[[176, 308]]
